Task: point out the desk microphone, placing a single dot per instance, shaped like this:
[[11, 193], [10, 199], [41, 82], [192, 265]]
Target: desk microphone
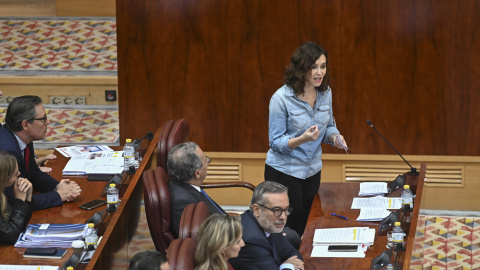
[[413, 170], [137, 142]]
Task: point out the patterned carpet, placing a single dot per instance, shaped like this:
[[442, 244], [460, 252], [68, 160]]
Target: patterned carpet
[[68, 46], [447, 243], [79, 125]]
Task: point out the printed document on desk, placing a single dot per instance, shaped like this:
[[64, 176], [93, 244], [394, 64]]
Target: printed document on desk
[[377, 202], [51, 235], [79, 150], [344, 236], [99, 163], [372, 188], [373, 214]]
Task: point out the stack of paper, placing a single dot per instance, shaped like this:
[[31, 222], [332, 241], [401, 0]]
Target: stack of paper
[[98, 163], [377, 202], [51, 235], [362, 237], [372, 214], [79, 150], [373, 188]]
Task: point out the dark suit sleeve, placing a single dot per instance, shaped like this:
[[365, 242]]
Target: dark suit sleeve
[[287, 250], [42, 183], [180, 198]]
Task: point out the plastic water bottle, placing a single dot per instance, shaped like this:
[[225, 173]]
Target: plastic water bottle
[[91, 238], [112, 198], [407, 197], [128, 154], [397, 235]]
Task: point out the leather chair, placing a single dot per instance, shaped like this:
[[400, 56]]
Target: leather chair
[[158, 207], [192, 218], [181, 254], [173, 132]]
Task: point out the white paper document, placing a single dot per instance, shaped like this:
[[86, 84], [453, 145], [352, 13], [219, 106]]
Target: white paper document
[[322, 251], [343, 236], [373, 214], [373, 188], [377, 202], [78, 150], [99, 163]]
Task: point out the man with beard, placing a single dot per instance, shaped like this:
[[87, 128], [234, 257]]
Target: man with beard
[[265, 246]]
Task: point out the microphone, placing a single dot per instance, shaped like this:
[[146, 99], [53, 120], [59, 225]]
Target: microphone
[[413, 170], [137, 142]]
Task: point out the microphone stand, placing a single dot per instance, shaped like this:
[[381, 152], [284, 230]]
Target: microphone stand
[[413, 170], [137, 142]]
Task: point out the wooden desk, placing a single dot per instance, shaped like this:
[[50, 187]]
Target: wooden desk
[[119, 226], [337, 198]]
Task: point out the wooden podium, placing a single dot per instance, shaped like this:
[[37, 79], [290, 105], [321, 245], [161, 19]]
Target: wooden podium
[[337, 198]]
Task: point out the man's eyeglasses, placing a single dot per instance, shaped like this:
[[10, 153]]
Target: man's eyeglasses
[[277, 211], [207, 162], [43, 119]]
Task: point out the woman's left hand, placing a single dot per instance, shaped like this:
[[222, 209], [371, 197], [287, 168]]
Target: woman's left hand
[[340, 142]]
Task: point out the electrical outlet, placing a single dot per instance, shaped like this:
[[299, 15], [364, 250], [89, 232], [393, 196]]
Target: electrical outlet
[[80, 100], [6, 99], [68, 100]]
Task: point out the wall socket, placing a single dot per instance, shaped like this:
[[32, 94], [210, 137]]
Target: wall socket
[[69, 100], [6, 99]]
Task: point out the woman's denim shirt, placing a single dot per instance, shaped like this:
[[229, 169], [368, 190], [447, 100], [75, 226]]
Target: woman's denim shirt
[[289, 118]]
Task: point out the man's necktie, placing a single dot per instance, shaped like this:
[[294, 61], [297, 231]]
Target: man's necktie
[[272, 244], [210, 199], [26, 154]]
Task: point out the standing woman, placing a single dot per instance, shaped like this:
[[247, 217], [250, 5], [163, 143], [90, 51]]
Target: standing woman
[[14, 216], [219, 239], [301, 118]]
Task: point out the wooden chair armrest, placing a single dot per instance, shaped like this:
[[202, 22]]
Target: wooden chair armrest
[[229, 185]]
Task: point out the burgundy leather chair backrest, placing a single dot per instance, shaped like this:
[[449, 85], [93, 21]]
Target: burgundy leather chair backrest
[[162, 180], [178, 134], [158, 207], [192, 218], [181, 254], [162, 149], [152, 209]]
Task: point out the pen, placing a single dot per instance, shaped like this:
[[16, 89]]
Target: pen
[[333, 214]]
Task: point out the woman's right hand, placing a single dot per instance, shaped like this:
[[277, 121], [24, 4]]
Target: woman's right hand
[[311, 134], [22, 189]]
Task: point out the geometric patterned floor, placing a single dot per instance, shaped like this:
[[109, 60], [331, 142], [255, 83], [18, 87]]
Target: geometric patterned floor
[[78, 125], [35, 46], [447, 243]]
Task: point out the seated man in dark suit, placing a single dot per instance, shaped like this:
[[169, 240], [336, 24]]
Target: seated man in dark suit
[[187, 166], [265, 247], [26, 121]]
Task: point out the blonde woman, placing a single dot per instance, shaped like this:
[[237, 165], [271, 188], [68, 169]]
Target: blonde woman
[[219, 239], [16, 214]]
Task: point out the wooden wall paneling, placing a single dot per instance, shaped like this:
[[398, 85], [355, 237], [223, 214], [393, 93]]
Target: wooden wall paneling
[[408, 66]]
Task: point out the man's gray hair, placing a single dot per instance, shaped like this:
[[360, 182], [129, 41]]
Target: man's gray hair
[[266, 187], [182, 162]]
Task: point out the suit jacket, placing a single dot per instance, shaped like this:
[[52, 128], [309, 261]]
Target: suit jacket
[[257, 254], [41, 182], [183, 194]]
